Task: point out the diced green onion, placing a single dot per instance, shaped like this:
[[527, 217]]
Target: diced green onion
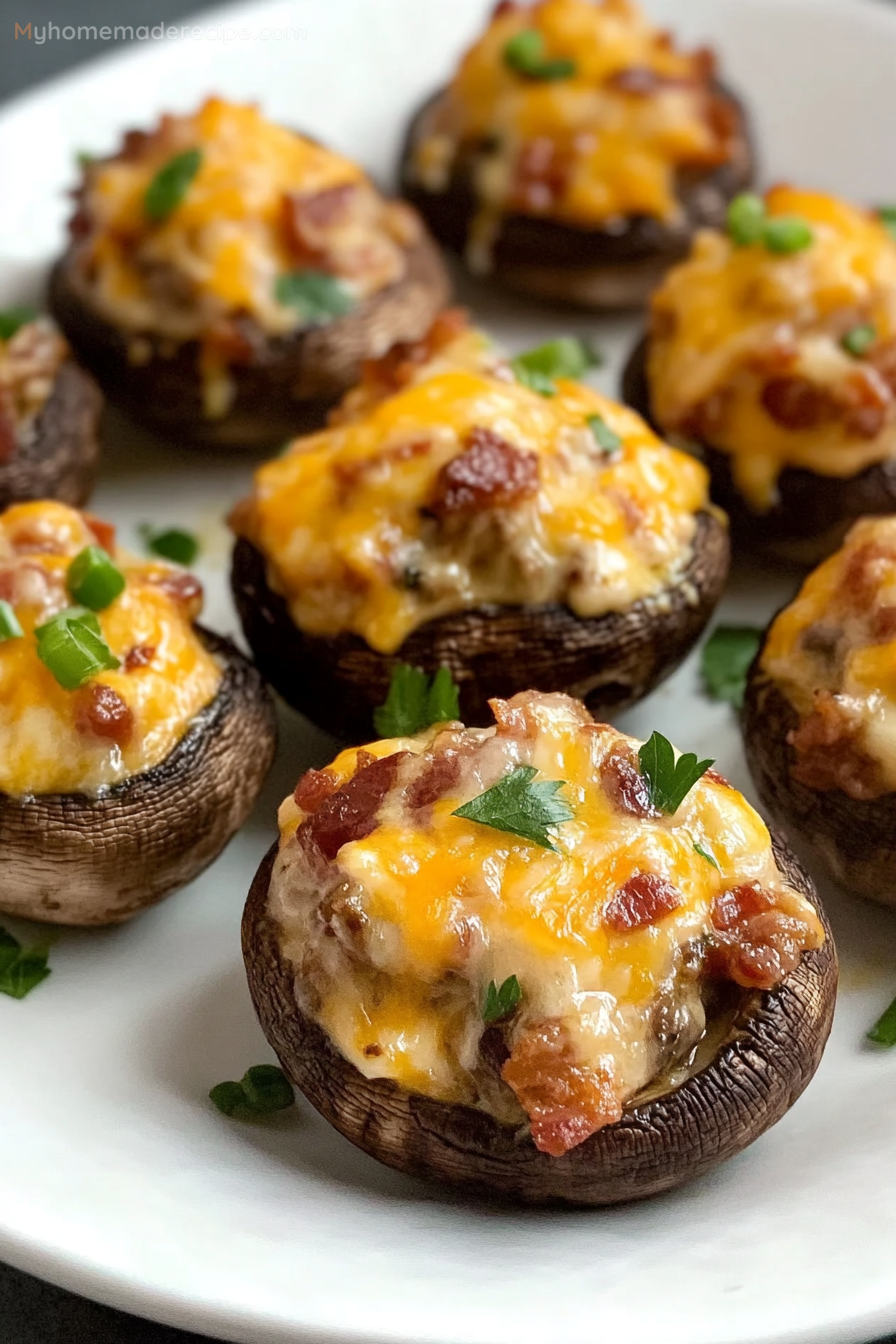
[[524, 54], [606, 438], [72, 648], [9, 624], [171, 544], [566, 357], [887, 216], [317, 296], [786, 234], [170, 185], [746, 219], [531, 378], [13, 318], [859, 340], [94, 580]]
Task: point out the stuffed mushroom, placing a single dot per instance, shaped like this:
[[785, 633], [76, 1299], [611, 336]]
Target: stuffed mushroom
[[539, 959], [773, 349], [575, 152], [468, 512], [820, 713], [134, 741], [226, 276], [49, 413]]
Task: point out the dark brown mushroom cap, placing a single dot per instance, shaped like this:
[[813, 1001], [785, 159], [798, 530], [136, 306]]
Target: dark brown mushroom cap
[[608, 661], [592, 268], [76, 859], [812, 513], [289, 384], [770, 1054], [853, 842], [57, 453]]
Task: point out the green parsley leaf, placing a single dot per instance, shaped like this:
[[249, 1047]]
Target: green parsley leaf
[[317, 297], [531, 378], [524, 54], [705, 854], [13, 318], [859, 340], [725, 662], [884, 1030], [500, 1003], [606, 438], [566, 357], [171, 543], [887, 216], [516, 805], [84, 158], [170, 185], [21, 968], [669, 781], [416, 701], [262, 1090]]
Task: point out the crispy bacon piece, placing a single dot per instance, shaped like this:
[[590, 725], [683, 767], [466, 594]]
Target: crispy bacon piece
[[514, 718], [306, 218], [489, 474], [505, 7], [440, 773], [643, 900], [565, 1100], [183, 589], [868, 402], [755, 943], [866, 570], [397, 367], [540, 177], [883, 625], [714, 777], [231, 340], [101, 712], [9, 439], [625, 785], [313, 788], [796, 403], [350, 813], [141, 655], [103, 531], [829, 755]]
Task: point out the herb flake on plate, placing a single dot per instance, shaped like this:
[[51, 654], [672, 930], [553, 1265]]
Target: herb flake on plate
[[262, 1090], [21, 968], [416, 701], [725, 662]]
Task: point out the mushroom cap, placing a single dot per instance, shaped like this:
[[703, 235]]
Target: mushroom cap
[[767, 1056], [608, 661], [57, 454], [88, 860], [599, 268], [291, 381]]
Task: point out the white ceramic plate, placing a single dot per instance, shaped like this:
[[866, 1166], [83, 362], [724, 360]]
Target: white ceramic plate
[[119, 1178]]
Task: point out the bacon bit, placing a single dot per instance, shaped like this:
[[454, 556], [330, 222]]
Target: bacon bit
[[343, 918], [514, 718], [705, 421], [565, 1100], [141, 655], [9, 439], [306, 218], [489, 474], [231, 340], [625, 786], [350, 813], [397, 367], [829, 755], [101, 712], [866, 571], [540, 177], [7, 585], [643, 900], [796, 403], [756, 943], [373, 1051], [723, 120], [715, 778], [883, 625], [869, 401], [363, 758], [103, 531], [439, 774], [183, 589], [777, 356], [313, 788], [883, 359]]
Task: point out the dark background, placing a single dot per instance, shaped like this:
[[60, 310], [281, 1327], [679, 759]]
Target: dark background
[[32, 1312]]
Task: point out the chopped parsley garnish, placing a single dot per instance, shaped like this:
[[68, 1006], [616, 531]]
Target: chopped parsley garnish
[[13, 318], [171, 543], [317, 297], [84, 158], [93, 579], [725, 662], [262, 1090], [669, 781], [517, 805], [749, 223], [859, 340], [416, 701], [72, 648], [500, 1003], [566, 357], [884, 1030], [9, 622], [21, 968], [170, 185], [524, 54], [606, 438], [887, 216], [705, 854]]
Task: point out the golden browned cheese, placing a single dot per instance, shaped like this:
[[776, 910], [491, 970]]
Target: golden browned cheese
[[417, 910], [367, 525], [832, 652], [747, 353], [49, 740]]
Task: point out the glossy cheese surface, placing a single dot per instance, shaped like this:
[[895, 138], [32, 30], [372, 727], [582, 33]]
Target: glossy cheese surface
[[441, 906], [355, 537], [732, 322], [47, 744]]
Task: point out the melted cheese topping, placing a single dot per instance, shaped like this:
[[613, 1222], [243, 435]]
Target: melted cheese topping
[[344, 518], [243, 221], [441, 906], [730, 319], [613, 151], [838, 638], [44, 746]]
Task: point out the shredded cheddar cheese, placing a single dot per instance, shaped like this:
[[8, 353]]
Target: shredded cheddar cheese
[[463, 486], [49, 741], [747, 348]]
